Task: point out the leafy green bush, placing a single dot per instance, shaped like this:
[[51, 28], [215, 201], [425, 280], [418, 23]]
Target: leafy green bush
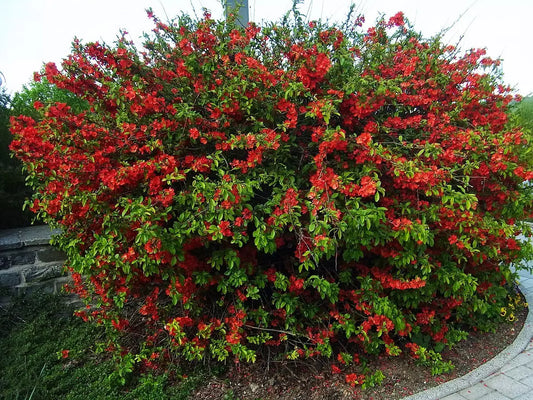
[[524, 112], [318, 190]]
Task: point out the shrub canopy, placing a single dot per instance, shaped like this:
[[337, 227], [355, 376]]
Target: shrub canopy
[[322, 190]]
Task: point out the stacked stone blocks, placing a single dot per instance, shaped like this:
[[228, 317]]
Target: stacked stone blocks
[[29, 262]]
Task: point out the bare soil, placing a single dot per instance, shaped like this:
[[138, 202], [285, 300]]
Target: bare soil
[[314, 381]]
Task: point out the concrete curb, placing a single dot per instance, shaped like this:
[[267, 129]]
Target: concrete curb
[[485, 370]]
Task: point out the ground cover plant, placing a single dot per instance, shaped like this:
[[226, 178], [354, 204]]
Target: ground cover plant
[[287, 192], [49, 354]]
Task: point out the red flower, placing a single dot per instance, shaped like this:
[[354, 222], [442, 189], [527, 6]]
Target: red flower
[[296, 284], [368, 187], [271, 274], [354, 379], [364, 139], [194, 133], [51, 71], [414, 348], [224, 228], [64, 353], [335, 369], [396, 20]]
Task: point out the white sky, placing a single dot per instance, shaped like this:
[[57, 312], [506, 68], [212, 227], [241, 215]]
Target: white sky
[[33, 32]]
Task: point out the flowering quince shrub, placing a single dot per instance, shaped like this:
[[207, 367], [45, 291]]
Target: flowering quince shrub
[[303, 189]]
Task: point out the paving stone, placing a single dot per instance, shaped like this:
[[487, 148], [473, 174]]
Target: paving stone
[[506, 386], [521, 359], [494, 396], [525, 396], [454, 396], [528, 382], [476, 391], [527, 283], [520, 372]]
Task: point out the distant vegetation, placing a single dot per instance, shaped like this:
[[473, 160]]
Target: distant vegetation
[[46, 93], [524, 111]]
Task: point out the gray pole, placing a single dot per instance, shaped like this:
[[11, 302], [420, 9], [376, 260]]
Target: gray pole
[[242, 13]]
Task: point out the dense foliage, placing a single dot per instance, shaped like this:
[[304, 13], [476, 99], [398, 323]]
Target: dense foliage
[[302, 189], [524, 113]]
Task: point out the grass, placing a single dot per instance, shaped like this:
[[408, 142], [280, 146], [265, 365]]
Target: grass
[[36, 328]]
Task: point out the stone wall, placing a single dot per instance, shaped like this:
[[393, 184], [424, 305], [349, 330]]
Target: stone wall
[[28, 261]]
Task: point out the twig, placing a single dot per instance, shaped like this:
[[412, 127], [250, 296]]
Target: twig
[[275, 330], [292, 373]]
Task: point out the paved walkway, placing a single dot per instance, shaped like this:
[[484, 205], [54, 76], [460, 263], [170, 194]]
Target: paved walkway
[[508, 376]]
